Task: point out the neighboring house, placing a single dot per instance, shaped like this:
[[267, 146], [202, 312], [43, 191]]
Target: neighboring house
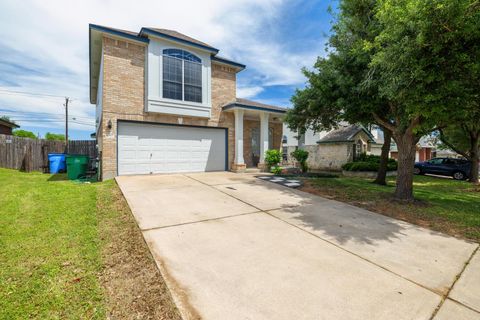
[[166, 102], [446, 153], [330, 150], [341, 146], [6, 127], [425, 150], [376, 146]]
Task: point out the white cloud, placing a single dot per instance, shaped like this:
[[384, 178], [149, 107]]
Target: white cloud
[[248, 92], [51, 38]]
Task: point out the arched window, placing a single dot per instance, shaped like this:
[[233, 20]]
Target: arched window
[[182, 75]]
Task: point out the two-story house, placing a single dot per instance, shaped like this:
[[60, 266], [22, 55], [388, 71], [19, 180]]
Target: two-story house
[[166, 103]]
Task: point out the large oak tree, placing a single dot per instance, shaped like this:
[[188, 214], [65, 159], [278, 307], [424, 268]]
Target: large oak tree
[[421, 61], [418, 56], [335, 90]]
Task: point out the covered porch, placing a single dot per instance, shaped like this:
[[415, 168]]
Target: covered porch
[[258, 127]]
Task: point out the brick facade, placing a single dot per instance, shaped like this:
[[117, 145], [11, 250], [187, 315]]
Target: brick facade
[[123, 98], [248, 126]]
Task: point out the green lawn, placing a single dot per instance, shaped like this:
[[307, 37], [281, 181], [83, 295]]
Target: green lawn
[[50, 255], [73, 251], [443, 204]]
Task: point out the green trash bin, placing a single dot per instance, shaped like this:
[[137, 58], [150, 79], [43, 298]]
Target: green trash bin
[[76, 166]]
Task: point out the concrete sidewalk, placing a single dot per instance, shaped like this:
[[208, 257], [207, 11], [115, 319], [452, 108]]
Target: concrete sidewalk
[[231, 246]]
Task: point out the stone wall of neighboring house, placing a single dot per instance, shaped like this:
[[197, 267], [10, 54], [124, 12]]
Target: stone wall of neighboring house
[[364, 138], [329, 156], [332, 155], [325, 156], [376, 149], [123, 98]]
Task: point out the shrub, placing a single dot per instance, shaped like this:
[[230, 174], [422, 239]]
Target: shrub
[[301, 156], [272, 157], [373, 158], [368, 166], [276, 170]]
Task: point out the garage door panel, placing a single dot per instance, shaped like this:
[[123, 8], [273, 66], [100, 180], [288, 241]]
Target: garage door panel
[[150, 148]]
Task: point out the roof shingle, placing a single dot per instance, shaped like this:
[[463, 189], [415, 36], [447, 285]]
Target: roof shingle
[[181, 36], [345, 134]]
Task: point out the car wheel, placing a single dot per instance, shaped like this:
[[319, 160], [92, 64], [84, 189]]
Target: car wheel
[[417, 170], [458, 175]]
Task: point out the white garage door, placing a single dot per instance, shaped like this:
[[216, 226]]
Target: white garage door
[[153, 148]]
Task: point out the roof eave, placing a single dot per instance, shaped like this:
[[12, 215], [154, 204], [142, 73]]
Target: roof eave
[[9, 124], [243, 106], [335, 141], [237, 65], [118, 33]]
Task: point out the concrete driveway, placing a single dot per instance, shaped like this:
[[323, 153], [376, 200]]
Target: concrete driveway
[[231, 246]]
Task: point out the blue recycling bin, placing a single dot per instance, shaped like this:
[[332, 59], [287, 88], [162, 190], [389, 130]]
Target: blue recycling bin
[[56, 162]]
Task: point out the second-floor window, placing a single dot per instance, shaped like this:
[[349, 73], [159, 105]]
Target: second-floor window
[[182, 75]]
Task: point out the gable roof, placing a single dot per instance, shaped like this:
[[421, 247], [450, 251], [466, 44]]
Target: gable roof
[[176, 36], [346, 134], [249, 104], [10, 124], [96, 31]]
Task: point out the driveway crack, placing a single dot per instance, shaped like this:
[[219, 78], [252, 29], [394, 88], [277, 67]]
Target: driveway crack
[[446, 295]]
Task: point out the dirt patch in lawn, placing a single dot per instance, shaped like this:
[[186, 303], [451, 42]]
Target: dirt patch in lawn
[[415, 213], [134, 288]]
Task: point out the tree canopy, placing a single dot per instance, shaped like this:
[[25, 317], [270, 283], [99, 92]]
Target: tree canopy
[[407, 65], [54, 136], [24, 133]]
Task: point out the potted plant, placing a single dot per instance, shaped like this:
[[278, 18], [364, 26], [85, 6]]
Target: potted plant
[[272, 159]]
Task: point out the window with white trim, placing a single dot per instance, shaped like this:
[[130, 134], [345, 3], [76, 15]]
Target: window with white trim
[[182, 76]]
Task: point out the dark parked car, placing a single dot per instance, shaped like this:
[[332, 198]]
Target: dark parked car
[[459, 169]]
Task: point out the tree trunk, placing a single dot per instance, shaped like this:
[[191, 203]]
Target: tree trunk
[[474, 157], [381, 178], [406, 144]]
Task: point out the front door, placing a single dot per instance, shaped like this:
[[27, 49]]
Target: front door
[[256, 144]]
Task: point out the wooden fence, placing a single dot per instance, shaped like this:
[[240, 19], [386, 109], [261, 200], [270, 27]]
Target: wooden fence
[[32, 154]]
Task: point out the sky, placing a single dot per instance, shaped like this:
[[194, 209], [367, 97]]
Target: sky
[[44, 49]]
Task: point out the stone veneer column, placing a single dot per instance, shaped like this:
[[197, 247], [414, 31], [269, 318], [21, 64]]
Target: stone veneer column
[[239, 163]]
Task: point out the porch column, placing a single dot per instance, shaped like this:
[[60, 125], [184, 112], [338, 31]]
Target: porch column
[[263, 136], [239, 163]]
